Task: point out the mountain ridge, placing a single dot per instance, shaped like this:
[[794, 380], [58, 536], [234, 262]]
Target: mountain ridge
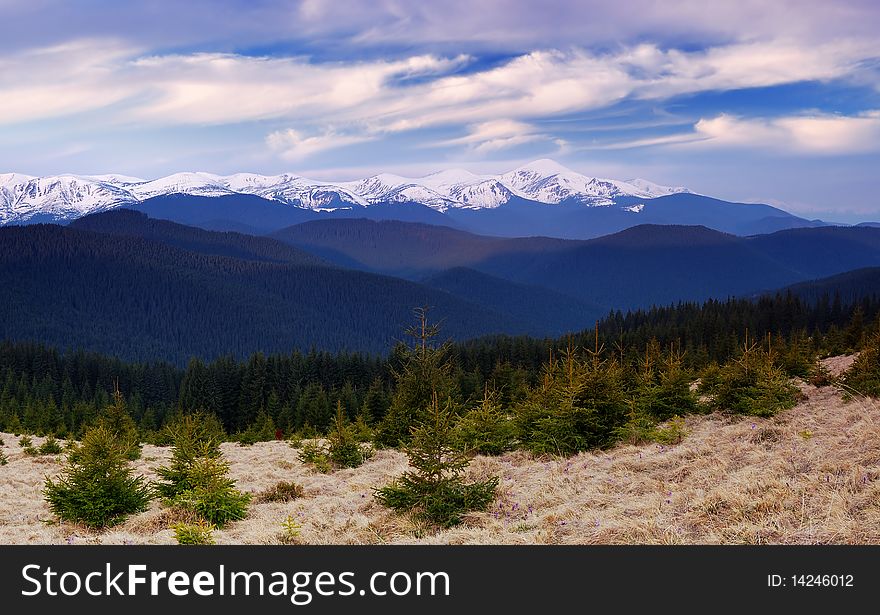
[[23, 196]]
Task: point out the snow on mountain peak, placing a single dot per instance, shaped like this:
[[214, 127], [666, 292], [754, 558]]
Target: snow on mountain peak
[[198, 184], [650, 189], [545, 167], [544, 181]]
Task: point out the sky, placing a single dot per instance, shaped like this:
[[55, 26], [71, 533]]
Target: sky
[[754, 101]]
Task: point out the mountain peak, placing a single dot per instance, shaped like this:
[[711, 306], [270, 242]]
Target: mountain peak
[[544, 166], [66, 197]]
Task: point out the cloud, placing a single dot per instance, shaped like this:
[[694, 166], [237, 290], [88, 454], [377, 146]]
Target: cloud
[[380, 95], [802, 134], [63, 79], [293, 145], [336, 103], [511, 25], [495, 135]]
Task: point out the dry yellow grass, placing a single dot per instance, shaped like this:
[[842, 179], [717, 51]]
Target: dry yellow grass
[[809, 475]]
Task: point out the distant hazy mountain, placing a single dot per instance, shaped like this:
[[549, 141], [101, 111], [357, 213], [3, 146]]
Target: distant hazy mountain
[[122, 283], [540, 198], [851, 286], [638, 267]]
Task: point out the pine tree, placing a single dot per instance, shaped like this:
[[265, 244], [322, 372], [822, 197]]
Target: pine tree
[[344, 449], [486, 428], [197, 478], [436, 490], [97, 487], [425, 372], [116, 419]]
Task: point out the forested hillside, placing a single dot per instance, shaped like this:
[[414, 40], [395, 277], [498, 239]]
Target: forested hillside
[[144, 299], [660, 264], [45, 390]]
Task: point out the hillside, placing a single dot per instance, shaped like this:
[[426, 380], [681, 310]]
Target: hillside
[[144, 299], [806, 476], [127, 223], [560, 313], [851, 286], [660, 264]]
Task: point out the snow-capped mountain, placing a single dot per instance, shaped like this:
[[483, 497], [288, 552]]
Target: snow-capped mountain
[[547, 181], [64, 197], [24, 198]]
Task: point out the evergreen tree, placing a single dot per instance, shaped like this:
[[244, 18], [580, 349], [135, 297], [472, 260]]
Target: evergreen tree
[[116, 419], [197, 478], [344, 449], [97, 487], [424, 372], [486, 428], [579, 405], [863, 376], [435, 490]]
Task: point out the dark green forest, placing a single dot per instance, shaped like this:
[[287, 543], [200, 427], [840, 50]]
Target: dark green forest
[[44, 390]]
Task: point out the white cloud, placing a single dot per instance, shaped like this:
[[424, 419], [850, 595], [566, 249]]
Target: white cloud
[[496, 135], [293, 145], [802, 134], [332, 104]]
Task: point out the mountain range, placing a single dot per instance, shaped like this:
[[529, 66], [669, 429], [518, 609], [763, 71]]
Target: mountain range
[[636, 268], [123, 283], [539, 198]]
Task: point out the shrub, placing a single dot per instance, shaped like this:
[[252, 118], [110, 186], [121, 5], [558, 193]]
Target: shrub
[[3, 459], [283, 491], [486, 428], [51, 447], [198, 533], [435, 490], [97, 487], [25, 442], [2, 442]]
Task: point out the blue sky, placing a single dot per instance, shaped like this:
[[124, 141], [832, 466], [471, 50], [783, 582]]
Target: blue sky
[[754, 101]]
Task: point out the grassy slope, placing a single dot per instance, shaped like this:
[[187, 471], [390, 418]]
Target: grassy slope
[[809, 475]]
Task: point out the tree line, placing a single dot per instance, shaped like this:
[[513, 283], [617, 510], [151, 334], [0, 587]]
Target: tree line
[[44, 390]]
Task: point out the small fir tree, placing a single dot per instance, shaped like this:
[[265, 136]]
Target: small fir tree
[[424, 371], [344, 449], [97, 488], [117, 420], [197, 478], [863, 376], [486, 428], [751, 384], [580, 404], [435, 490]]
